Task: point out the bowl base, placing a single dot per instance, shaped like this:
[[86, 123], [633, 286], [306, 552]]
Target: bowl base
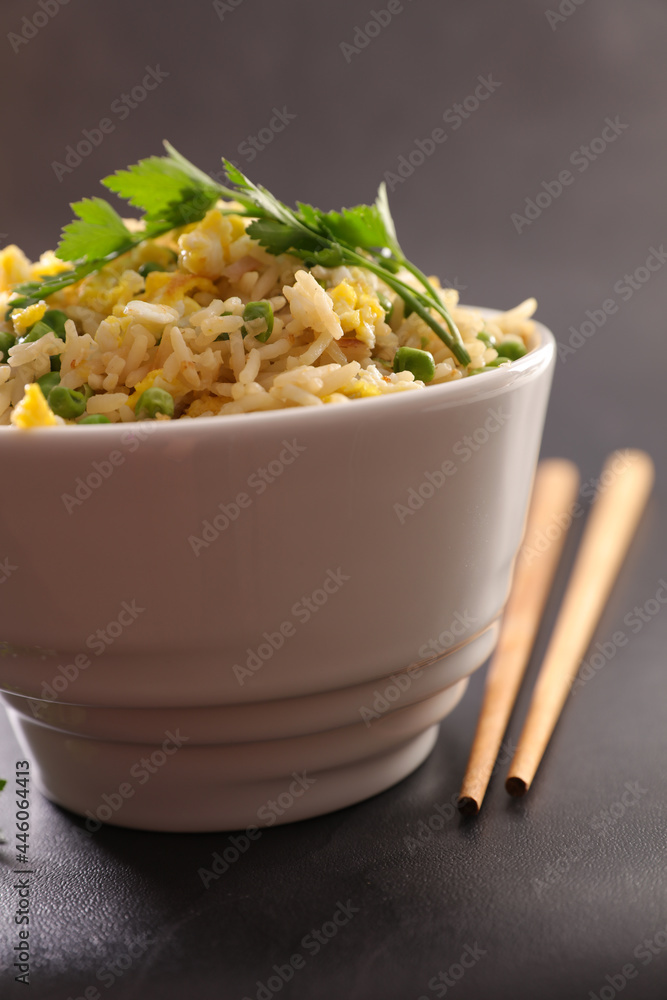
[[182, 785], [252, 805]]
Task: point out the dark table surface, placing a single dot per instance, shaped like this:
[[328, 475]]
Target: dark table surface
[[562, 894]]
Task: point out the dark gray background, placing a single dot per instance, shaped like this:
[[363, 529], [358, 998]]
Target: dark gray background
[[556, 906]]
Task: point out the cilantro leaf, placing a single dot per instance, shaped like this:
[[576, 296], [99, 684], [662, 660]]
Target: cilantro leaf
[[191, 206], [262, 199], [165, 191], [150, 184], [331, 256], [171, 191], [282, 237], [311, 216], [194, 173], [98, 232], [361, 226]]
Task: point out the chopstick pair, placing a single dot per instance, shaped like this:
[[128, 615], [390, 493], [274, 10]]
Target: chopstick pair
[[624, 487]]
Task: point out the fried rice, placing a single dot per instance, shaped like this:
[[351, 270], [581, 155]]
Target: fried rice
[[180, 327]]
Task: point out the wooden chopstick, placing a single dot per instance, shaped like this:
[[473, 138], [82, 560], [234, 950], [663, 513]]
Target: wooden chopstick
[[549, 517], [625, 485]]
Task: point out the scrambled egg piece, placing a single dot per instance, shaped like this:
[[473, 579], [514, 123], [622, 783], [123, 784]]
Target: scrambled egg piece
[[146, 383], [357, 311], [206, 404], [119, 281], [167, 288], [23, 318], [14, 267], [33, 410], [359, 389], [203, 250], [105, 290], [47, 265]]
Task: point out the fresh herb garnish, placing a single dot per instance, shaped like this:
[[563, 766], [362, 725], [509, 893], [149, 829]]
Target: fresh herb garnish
[[364, 236], [169, 195], [97, 232], [7, 340], [172, 192]]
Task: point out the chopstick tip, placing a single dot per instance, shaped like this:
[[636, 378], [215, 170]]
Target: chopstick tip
[[515, 786], [468, 806]]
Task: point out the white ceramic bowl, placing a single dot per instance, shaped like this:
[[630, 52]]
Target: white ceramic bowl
[[236, 621]]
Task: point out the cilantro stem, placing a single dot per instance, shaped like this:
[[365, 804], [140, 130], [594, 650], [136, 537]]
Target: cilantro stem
[[422, 279], [34, 291], [438, 304], [421, 304]]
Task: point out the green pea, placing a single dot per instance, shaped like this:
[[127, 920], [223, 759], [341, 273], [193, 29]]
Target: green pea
[[48, 382], [36, 332], [56, 319], [94, 418], [420, 363], [511, 349], [67, 403], [154, 401], [55, 362], [486, 339], [7, 340], [260, 310], [496, 362], [149, 266], [53, 321], [386, 304]]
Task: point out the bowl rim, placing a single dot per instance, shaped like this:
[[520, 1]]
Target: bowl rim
[[448, 394]]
